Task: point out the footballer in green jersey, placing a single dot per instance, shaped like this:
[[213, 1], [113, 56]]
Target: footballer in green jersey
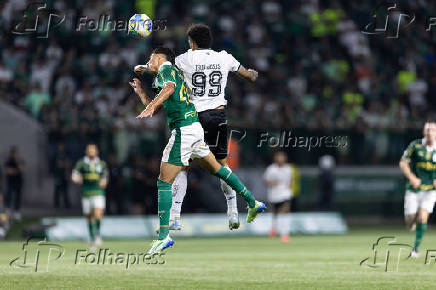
[[186, 141], [91, 172], [419, 166]]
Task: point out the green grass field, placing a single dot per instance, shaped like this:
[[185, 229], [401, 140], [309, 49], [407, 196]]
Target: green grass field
[[308, 262]]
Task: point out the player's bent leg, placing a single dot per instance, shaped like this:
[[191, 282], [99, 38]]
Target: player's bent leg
[[87, 212], [230, 195], [410, 220], [410, 209], [273, 231], [98, 216], [255, 207], [284, 221], [179, 191], [421, 228]]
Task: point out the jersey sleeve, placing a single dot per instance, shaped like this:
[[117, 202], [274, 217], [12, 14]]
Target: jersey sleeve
[[232, 63], [166, 74], [78, 167], [408, 153], [181, 61], [267, 174]]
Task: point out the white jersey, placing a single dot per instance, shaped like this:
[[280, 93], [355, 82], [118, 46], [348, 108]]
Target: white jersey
[[282, 177], [205, 71]]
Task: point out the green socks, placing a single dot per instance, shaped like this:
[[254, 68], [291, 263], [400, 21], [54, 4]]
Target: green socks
[[97, 228], [164, 205], [231, 179], [91, 230], [420, 231]]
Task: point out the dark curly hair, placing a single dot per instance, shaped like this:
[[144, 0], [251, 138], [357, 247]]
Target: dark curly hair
[[201, 35]]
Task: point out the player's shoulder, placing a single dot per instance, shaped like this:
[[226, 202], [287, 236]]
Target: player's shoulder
[[417, 143], [224, 53], [166, 69], [183, 56], [272, 166], [80, 162]]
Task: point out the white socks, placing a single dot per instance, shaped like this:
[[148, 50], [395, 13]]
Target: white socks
[[283, 224], [230, 195], [179, 191]]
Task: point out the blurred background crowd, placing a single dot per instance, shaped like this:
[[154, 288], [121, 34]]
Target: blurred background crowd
[[319, 75]]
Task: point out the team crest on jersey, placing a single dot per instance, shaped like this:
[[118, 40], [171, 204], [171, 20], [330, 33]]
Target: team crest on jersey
[[434, 158], [98, 168]]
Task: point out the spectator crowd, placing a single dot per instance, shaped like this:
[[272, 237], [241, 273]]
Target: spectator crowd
[[318, 71]]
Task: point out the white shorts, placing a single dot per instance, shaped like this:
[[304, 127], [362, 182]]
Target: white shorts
[[419, 200], [91, 202], [185, 143]]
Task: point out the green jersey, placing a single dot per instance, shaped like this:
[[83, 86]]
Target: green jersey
[[92, 172], [179, 108], [422, 163]]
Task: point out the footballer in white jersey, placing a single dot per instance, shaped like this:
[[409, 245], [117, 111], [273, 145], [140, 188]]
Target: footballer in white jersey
[[206, 71], [278, 180]]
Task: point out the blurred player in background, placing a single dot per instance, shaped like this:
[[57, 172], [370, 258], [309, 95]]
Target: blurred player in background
[[186, 141], [14, 168], [278, 178], [206, 71], [419, 166], [91, 173]]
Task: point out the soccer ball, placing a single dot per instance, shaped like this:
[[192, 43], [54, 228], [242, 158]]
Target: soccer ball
[[140, 25]]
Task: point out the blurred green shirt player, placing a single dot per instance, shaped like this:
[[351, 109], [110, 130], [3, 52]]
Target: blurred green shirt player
[[419, 166], [91, 172]]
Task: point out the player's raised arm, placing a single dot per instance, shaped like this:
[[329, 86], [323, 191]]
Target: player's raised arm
[[136, 85], [249, 74], [156, 104]]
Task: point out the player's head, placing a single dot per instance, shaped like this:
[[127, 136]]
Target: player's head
[[280, 158], [430, 130], [91, 150], [159, 56], [199, 36]]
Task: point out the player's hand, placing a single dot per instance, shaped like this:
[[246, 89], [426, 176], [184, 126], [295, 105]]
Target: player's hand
[[136, 85], [77, 178], [434, 183], [103, 183], [148, 112], [415, 181], [140, 69], [253, 74]]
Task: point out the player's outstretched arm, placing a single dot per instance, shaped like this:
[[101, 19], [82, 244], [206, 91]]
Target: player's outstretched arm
[[405, 168], [249, 74], [136, 85], [156, 104]]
